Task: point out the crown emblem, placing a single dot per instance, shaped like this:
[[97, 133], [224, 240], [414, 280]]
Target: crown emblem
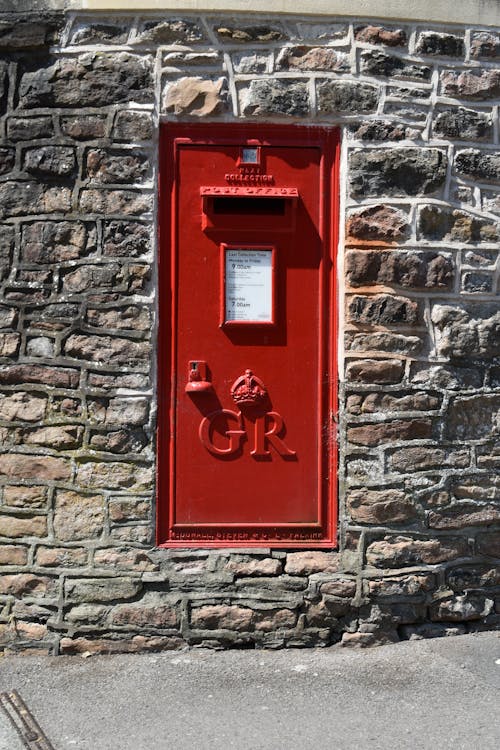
[[249, 390]]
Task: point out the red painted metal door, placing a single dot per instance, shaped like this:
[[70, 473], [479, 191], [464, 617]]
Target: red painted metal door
[[246, 445]]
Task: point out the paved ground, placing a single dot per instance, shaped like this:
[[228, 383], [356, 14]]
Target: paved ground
[[442, 693]]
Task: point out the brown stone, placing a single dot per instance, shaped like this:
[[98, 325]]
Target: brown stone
[[266, 566], [20, 198], [340, 587], [22, 406], [119, 411], [464, 515], [8, 315], [19, 526], [33, 631], [105, 349], [380, 223], [11, 554], [25, 584], [410, 270], [380, 506], [84, 127], [101, 589], [95, 278], [390, 37], [383, 310], [376, 371], [222, 617], [196, 96], [410, 585], [78, 516], [57, 377], [423, 457], [114, 201], [25, 497], [382, 342], [129, 510], [385, 432], [123, 559], [306, 563], [131, 317], [140, 616], [60, 437], [312, 58], [278, 620], [114, 475], [23, 466], [137, 644], [9, 344], [399, 551], [388, 402], [61, 557], [470, 85]]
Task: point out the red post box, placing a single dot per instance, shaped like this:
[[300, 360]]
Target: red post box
[[247, 401]]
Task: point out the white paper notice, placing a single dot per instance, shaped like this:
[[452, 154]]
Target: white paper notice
[[249, 285]]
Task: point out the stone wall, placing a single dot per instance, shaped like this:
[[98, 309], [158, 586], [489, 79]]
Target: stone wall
[[81, 98]]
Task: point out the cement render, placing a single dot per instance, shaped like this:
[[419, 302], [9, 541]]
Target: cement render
[[441, 693]]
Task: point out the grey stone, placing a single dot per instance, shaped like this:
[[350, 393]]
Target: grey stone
[[28, 128], [377, 63], [474, 417], [133, 126], [382, 130], [462, 332], [84, 127], [7, 159], [438, 223], [251, 61], [445, 45], [173, 31], [483, 167], [92, 80], [56, 241], [122, 238], [463, 124], [351, 97], [447, 377], [477, 282], [276, 96], [21, 198], [383, 309], [398, 171], [480, 86], [50, 161], [407, 269], [99, 33], [113, 166], [244, 33], [485, 45], [29, 32]]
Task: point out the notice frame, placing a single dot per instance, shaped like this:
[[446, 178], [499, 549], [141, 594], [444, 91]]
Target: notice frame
[[248, 285]]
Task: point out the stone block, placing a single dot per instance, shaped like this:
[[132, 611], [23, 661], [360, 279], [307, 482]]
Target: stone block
[[60, 437], [134, 645], [312, 58], [407, 269], [114, 475], [485, 45], [56, 241], [463, 124], [19, 496], [11, 554], [28, 128], [444, 224], [82, 127], [119, 411], [132, 126], [376, 371], [383, 310], [113, 166], [381, 130], [89, 80], [130, 317], [469, 577], [78, 516], [7, 159], [141, 615], [377, 223], [184, 31], [251, 61], [280, 619], [477, 282], [244, 566], [386, 432], [56, 377], [101, 589], [423, 458], [464, 515], [346, 97], [99, 33], [122, 238], [9, 344], [480, 86], [488, 544], [25, 466], [478, 165], [118, 441], [20, 198], [396, 172], [49, 162], [123, 559], [383, 403], [382, 342], [276, 96], [22, 406], [124, 509], [461, 332], [115, 201], [196, 96], [386, 35], [245, 33], [431, 630], [222, 617], [308, 562], [380, 507], [95, 278], [445, 376], [61, 557], [401, 551], [465, 607], [105, 349], [444, 45], [26, 584], [414, 585], [378, 63], [473, 417]]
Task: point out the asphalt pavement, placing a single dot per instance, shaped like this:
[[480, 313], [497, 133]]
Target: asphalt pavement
[[442, 693]]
